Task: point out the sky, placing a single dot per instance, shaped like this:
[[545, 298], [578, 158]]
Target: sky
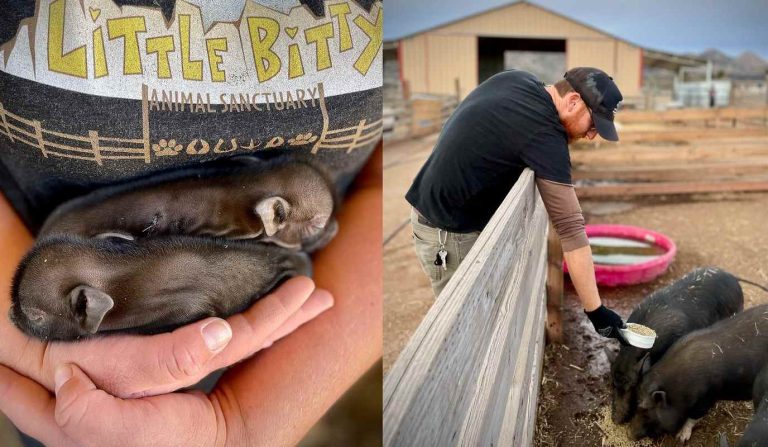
[[676, 26]]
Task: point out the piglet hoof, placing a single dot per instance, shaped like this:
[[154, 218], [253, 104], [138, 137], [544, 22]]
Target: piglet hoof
[[685, 433]]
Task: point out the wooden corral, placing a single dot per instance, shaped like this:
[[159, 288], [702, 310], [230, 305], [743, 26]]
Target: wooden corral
[[470, 374], [409, 116], [677, 152]]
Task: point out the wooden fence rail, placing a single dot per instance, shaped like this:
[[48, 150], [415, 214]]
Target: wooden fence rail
[[727, 113], [470, 374], [418, 116]]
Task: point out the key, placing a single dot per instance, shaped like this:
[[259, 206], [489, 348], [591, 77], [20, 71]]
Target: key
[[438, 259], [443, 255]]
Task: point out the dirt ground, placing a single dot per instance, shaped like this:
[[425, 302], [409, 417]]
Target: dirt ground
[[407, 294], [724, 230]]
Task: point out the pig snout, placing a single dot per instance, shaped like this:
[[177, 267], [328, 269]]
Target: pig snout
[[620, 408], [637, 432], [297, 264]]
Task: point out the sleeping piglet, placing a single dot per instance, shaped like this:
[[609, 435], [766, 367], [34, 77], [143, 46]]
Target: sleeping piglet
[[69, 287], [287, 202]]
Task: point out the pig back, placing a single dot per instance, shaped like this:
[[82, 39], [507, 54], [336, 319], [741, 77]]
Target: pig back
[[757, 430], [721, 361], [697, 300]]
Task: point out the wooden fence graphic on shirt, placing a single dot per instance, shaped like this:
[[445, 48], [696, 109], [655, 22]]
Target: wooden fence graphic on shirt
[[96, 148]]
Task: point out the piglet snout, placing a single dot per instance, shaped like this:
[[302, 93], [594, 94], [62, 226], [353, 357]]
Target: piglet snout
[[303, 264]]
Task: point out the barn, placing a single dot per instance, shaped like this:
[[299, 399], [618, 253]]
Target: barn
[[453, 58]]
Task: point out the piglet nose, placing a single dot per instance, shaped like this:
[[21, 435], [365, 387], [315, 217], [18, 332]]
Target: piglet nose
[[303, 264], [34, 315], [300, 265]]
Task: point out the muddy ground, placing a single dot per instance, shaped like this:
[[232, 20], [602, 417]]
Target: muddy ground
[[720, 230]]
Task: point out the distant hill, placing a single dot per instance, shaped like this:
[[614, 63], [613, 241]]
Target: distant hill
[[750, 63], [716, 56], [746, 63]]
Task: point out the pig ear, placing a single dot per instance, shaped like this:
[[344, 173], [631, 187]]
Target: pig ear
[[274, 213], [723, 440], [660, 397], [610, 354], [90, 306], [644, 364]]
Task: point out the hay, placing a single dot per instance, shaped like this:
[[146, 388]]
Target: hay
[[617, 435]]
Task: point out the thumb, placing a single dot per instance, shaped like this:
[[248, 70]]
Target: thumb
[[92, 417], [75, 394], [169, 361]]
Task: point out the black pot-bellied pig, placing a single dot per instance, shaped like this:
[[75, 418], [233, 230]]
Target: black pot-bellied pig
[[69, 287], [695, 301], [284, 201], [756, 433], [720, 362]]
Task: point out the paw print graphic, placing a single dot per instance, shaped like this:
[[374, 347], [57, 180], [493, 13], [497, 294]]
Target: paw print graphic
[[302, 139], [164, 147]]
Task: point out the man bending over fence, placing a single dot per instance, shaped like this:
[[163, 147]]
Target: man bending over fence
[[511, 122]]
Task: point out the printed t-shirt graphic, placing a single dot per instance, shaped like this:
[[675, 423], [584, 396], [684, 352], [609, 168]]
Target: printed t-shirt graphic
[[97, 91]]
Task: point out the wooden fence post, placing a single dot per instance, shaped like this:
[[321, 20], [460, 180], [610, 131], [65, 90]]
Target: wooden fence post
[[554, 287], [457, 89], [5, 122]]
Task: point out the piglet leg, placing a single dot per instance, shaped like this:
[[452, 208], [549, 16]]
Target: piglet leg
[[685, 433]]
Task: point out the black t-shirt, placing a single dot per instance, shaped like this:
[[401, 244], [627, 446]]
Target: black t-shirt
[[122, 89], [506, 124]]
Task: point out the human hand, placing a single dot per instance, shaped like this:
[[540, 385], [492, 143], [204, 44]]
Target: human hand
[[307, 371], [159, 363], [150, 364], [607, 323], [80, 414]]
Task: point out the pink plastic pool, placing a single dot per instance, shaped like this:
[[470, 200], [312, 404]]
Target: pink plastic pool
[[622, 275]]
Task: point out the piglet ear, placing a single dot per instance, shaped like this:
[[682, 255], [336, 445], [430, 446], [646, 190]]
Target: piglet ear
[[274, 214], [610, 354], [723, 440], [645, 364], [660, 397], [90, 306]]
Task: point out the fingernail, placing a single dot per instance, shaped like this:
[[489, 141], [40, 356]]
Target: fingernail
[[216, 334], [61, 376], [328, 304]]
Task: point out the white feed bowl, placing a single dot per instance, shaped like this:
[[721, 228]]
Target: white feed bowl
[[638, 340]]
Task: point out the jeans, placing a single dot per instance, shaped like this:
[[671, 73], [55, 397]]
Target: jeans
[[426, 241]]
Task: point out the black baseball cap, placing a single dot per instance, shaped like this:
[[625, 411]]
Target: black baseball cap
[[601, 94]]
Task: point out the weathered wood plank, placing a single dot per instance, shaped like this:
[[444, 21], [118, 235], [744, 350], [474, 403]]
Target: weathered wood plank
[[518, 324], [468, 368], [679, 134], [636, 189], [668, 154], [554, 329], [637, 116], [714, 169]]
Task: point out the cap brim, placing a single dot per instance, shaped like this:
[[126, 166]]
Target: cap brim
[[605, 128]]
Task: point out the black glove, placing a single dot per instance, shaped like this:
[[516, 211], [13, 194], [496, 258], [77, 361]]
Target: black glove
[[607, 323]]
